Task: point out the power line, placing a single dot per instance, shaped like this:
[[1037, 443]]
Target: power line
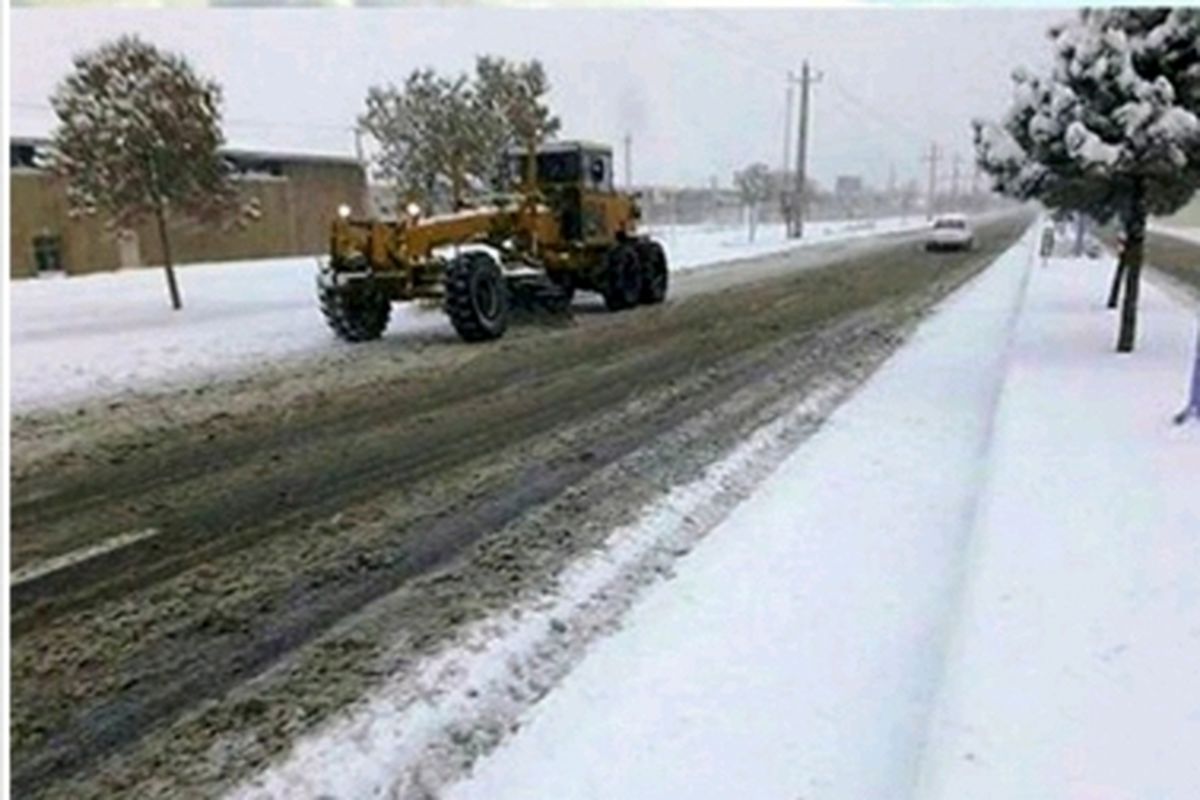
[[688, 26], [848, 102], [885, 119], [728, 22]]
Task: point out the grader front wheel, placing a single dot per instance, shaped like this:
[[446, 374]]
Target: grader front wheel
[[476, 297], [357, 312]]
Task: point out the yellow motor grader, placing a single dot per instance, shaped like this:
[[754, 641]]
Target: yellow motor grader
[[566, 230]]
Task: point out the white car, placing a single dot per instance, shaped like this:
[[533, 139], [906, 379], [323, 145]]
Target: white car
[[950, 232]]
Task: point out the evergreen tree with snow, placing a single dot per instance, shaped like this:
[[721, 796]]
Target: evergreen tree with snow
[[137, 138], [1112, 131]]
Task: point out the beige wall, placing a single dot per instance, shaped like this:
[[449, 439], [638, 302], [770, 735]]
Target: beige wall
[[296, 211], [39, 206]]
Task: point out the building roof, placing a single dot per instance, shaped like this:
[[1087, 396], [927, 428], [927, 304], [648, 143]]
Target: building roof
[[564, 146], [275, 155], [235, 153]]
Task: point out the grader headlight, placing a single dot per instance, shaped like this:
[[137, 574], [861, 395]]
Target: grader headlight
[[344, 211]]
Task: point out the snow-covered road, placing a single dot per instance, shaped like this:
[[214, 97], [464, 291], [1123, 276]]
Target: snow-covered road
[[74, 338]]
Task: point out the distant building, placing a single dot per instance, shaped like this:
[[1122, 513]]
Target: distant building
[[664, 205], [848, 186], [298, 195]]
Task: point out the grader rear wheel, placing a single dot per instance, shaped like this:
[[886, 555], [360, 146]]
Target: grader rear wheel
[[654, 272], [476, 297], [357, 312], [622, 278]]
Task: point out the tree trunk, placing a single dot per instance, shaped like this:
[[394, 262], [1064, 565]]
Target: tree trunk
[[1114, 291], [1080, 228], [168, 265], [1135, 240], [456, 192], [531, 165], [752, 219]]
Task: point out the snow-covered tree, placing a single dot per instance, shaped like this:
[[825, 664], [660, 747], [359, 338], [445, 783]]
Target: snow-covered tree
[[137, 138], [756, 186], [1111, 132], [513, 94], [442, 138], [433, 138]]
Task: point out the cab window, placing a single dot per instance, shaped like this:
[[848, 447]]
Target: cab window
[[599, 172]]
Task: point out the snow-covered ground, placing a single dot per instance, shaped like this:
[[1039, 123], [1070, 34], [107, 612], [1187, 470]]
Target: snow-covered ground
[[1073, 672], [98, 335], [697, 245], [978, 580]]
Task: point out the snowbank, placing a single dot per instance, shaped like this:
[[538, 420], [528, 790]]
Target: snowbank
[[799, 648], [74, 338], [1073, 672], [697, 246]]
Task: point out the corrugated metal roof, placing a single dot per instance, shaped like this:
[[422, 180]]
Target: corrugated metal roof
[[264, 154]]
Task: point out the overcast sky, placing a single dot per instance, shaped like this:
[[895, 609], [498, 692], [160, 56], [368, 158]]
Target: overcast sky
[[702, 92]]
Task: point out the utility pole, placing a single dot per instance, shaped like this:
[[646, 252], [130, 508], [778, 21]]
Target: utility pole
[[358, 148], [889, 201], [807, 78], [714, 205], [932, 158], [786, 206], [628, 162], [954, 178]]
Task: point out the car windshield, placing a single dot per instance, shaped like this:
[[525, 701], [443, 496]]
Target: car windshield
[[950, 223]]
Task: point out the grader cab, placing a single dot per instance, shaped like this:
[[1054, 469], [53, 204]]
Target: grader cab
[[565, 229]]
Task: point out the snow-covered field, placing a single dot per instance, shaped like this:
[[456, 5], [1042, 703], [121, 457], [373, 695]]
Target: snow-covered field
[[98, 335], [978, 579]]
